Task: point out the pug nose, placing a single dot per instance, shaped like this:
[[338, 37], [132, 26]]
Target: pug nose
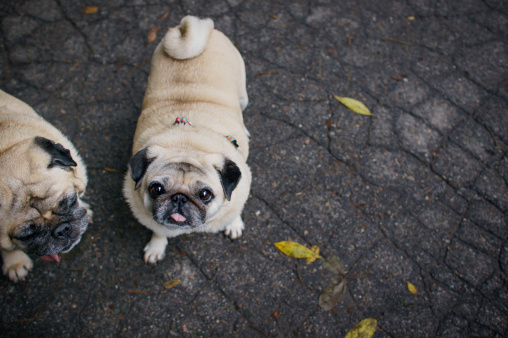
[[62, 231], [179, 199]]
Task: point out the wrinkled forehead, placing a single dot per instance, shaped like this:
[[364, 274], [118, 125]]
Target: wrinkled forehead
[[186, 167], [181, 172], [50, 188]]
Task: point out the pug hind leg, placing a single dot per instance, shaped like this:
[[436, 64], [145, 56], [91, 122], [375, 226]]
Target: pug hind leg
[[235, 228], [155, 250], [16, 264]]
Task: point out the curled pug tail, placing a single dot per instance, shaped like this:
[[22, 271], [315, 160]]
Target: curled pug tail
[[189, 39]]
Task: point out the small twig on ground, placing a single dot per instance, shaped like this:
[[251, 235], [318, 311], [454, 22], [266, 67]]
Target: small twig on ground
[[271, 72], [397, 41], [112, 170], [138, 291], [348, 79], [300, 277], [350, 39], [319, 67], [258, 330], [37, 316], [120, 313], [360, 277]]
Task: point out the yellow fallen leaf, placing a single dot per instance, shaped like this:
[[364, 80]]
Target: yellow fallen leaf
[[296, 250], [152, 34], [315, 250], [364, 329], [411, 18], [171, 283], [412, 288], [91, 9], [354, 105]]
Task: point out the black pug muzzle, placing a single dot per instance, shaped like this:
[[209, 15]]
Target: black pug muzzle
[[177, 210], [60, 234]]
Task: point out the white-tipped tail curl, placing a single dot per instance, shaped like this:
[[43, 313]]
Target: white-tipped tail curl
[[189, 39]]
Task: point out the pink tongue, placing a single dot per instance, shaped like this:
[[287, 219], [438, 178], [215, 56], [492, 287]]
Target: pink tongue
[[177, 217], [51, 258]]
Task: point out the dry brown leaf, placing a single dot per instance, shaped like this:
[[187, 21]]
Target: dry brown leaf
[[91, 9], [331, 295], [333, 264], [296, 250], [165, 15], [398, 77], [364, 329], [412, 288], [152, 34], [171, 283]]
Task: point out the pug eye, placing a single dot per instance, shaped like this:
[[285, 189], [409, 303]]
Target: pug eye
[[205, 195], [155, 190], [28, 233]]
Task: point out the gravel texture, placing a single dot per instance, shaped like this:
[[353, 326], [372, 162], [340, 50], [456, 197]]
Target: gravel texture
[[416, 194]]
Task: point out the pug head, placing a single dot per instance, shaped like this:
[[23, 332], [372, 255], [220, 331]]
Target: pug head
[[40, 208], [183, 191]]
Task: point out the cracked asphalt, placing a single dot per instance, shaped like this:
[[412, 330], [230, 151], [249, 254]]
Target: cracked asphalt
[[417, 194]]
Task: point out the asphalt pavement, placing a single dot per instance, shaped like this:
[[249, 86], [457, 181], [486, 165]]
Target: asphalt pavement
[[415, 194]]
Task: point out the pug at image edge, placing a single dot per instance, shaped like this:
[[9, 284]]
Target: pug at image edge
[[42, 179]]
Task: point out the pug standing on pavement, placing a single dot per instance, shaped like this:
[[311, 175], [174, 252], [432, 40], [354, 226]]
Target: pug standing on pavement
[[189, 171], [42, 179]]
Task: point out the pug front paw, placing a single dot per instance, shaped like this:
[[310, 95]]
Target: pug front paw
[[155, 250], [235, 228], [16, 265]]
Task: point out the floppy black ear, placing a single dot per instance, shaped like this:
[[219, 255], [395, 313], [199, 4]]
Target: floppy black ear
[[59, 155], [138, 165], [230, 176]]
